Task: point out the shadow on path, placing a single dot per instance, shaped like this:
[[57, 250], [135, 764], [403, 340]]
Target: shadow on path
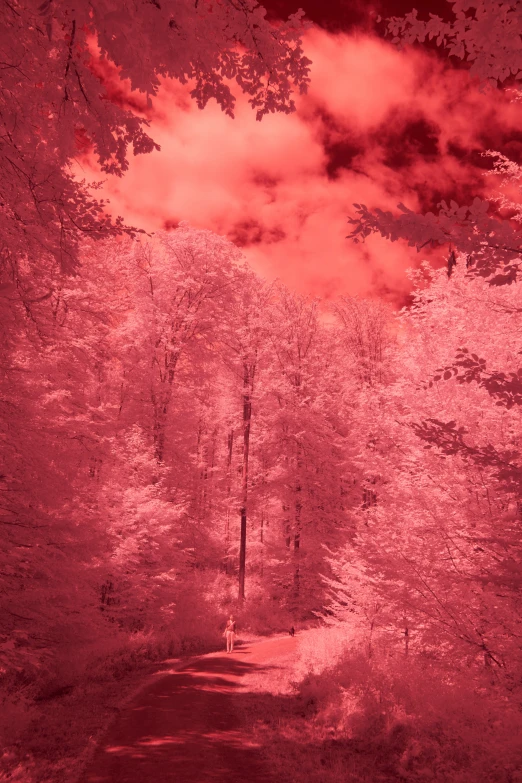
[[185, 727]]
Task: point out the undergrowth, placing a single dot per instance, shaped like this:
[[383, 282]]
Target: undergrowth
[[385, 719], [48, 732], [52, 716]]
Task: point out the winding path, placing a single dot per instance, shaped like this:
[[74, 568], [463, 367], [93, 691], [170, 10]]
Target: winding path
[[184, 726]]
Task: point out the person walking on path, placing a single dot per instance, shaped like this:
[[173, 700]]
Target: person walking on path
[[230, 633]]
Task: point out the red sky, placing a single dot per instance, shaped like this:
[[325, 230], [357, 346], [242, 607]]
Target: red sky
[[378, 126]]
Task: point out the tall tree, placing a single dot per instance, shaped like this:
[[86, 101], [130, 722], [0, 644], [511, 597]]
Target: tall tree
[[439, 554], [308, 444], [59, 60], [365, 335], [181, 283], [244, 339]]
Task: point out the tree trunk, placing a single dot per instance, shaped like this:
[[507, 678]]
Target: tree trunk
[[264, 515], [297, 541], [230, 444], [248, 374], [161, 396], [242, 553], [298, 507], [261, 539], [286, 526], [370, 649]]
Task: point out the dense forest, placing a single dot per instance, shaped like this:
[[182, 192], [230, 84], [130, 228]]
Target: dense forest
[[183, 438]]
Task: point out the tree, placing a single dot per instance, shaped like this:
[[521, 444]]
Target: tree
[[53, 430], [56, 100], [485, 33], [244, 337], [439, 553], [365, 334], [305, 442], [180, 284]]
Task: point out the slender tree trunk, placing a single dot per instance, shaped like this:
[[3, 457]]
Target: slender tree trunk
[[297, 541], [163, 369], [298, 507], [242, 553], [286, 525], [261, 541], [230, 444], [160, 405], [161, 399], [264, 516], [247, 416], [210, 474], [370, 649], [196, 495]]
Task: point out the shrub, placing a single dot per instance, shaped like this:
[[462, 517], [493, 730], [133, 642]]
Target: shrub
[[413, 720]]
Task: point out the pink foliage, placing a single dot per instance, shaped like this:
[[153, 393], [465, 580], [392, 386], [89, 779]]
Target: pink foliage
[[54, 103]]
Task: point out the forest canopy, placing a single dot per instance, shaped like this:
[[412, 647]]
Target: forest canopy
[[182, 437]]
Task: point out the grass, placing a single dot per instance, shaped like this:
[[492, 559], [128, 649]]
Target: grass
[[51, 738], [282, 723], [349, 720], [324, 715]]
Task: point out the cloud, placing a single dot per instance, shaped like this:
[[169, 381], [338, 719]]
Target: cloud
[[378, 126]]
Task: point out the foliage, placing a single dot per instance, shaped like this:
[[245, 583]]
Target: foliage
[[491, 246], [446, 452], [391, 718], [58, 99], [486, 34]]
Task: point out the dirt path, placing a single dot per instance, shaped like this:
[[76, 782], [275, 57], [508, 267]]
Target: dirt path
[[185, 727]]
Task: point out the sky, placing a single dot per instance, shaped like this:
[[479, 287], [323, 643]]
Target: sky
[[378, 126]]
